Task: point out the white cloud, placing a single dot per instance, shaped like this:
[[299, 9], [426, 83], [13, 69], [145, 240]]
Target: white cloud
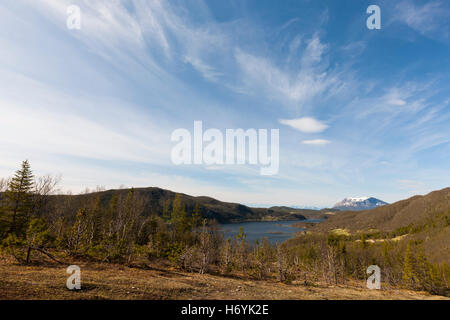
[[146, 44], [397, 102], [292, 86], [313, 52], [419, 18], [411, 97], [45, 129], [316, 142], [354, 48], [426, 19], [305, 124], [397, 96], [205, 70]]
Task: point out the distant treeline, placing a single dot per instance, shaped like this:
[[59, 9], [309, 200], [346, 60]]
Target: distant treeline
[[33, 225]]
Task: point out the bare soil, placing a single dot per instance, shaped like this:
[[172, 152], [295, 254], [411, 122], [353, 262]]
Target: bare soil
[[110, 281]]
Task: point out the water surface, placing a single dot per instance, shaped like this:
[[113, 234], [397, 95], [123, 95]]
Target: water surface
[[274, 231]]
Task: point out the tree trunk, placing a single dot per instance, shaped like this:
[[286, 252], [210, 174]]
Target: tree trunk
[[28, 254]]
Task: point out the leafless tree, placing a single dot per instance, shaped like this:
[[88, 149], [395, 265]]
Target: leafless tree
[[281, 263], [187, 258], [126, 222], [4, 184], [227, 255], [100, 188], [47, 185], [3, 187], [331, 263], [44, 186], [205, 248]]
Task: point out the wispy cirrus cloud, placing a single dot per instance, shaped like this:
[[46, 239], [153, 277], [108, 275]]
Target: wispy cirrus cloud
[[296, 86], [105, 98], [205, 70], [429, 18]]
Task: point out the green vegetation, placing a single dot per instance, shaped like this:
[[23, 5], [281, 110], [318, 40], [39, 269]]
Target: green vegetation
[[408, 239], [128, 227], [337, 258]]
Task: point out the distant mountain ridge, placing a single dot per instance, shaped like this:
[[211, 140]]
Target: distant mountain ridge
[[157, 201], [356, 204]]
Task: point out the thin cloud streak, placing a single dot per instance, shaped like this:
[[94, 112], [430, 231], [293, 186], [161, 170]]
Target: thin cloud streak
[[317, 142]]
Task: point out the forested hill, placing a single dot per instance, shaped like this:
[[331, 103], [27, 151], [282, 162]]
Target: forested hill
[[157, 201]]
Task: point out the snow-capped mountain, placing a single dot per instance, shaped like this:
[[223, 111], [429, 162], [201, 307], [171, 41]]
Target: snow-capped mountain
[[355, 204]]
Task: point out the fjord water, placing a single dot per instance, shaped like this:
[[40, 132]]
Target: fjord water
[[274, 231]]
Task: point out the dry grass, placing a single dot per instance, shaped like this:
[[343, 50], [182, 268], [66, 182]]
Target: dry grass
[[108, 281], [340, 232]]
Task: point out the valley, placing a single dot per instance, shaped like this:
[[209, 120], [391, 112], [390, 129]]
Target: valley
[[174, 246]]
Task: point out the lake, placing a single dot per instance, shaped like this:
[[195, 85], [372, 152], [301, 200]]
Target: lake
[[274, 231]]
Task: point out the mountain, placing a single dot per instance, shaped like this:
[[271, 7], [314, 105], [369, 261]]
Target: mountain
[[156, 201], [424, 219], [356, 204], [417, 210]]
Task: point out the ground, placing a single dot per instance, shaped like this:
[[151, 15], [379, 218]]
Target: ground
[[109, 281]]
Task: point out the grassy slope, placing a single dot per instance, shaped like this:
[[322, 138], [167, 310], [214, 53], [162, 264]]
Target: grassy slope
[[106, 281]]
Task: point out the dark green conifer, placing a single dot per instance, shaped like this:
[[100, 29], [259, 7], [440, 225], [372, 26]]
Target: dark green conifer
[[19, 199]]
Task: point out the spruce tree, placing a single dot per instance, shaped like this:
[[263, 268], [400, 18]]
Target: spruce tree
[[196, 216], [19, 199], [409, 276], [179, 217]]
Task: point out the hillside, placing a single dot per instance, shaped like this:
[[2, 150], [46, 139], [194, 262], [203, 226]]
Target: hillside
[[425, 219], [417, 210], [157, 201]]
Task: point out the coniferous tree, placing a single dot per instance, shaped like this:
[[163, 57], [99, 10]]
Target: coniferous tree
[[422, 269], [179, 218], [38, 237], [196, 216], [19, 199], [241, 250], [166, 210], [77, 239], [409, 276]]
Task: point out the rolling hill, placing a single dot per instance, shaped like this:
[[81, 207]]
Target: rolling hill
[[157, 200]]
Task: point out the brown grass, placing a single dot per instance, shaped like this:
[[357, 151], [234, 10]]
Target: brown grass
[[109, 281]]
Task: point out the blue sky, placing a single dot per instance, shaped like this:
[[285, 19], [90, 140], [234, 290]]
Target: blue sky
[[98, 105]]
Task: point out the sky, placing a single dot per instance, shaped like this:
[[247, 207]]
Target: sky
[[360, 112]]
